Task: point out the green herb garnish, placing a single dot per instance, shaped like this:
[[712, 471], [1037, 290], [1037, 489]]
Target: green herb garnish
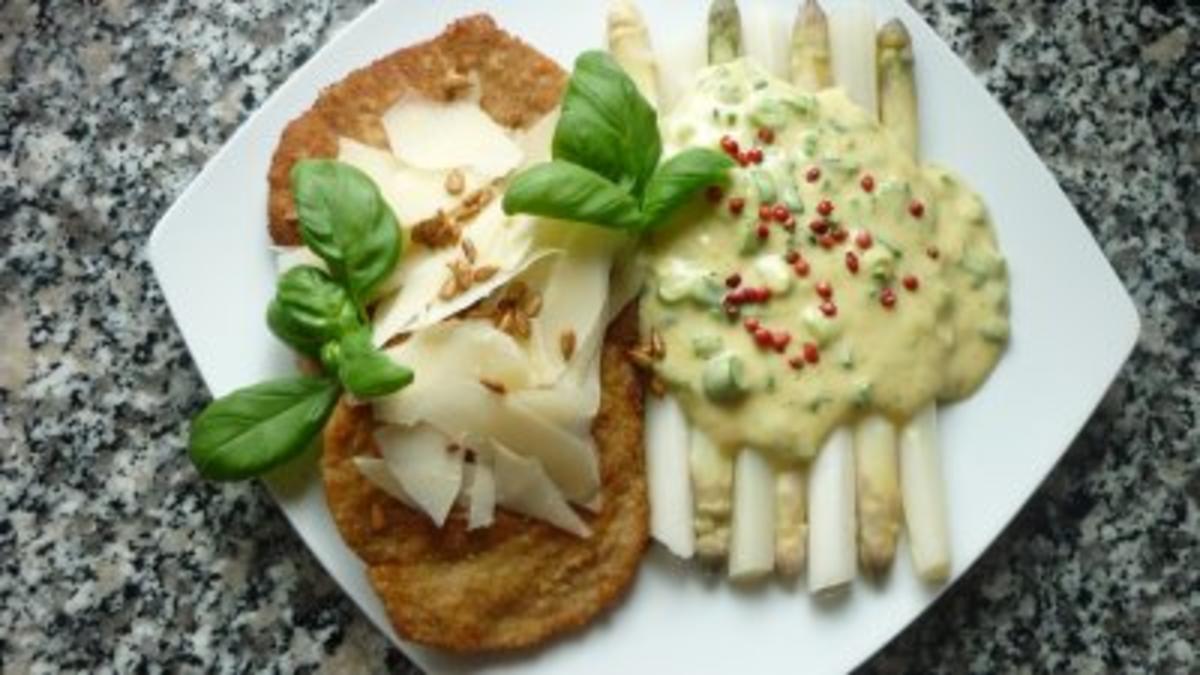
[[345, 221], [606, 151]]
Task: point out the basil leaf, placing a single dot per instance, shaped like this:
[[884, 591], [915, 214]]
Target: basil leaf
[[345, 221], [309, 310], [366, 371], [678, 179], [606, 125], [569, 192], [257, 428]]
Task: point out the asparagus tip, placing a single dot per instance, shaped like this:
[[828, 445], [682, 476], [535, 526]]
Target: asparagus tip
[[894, 34], [812, 13]]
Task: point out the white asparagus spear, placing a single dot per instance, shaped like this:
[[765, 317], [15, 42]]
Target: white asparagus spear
[[832, 528], [791, 521], [807, 63], [809, 56], [922, 484], [724, 31], [752, 539], [666, 431], [667, 475], [878, 490], [629, 44], [924, 493], [854, 66], [897, 85], [852, 43], [712, 489], [831, 515]]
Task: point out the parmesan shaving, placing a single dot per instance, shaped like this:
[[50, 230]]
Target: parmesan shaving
[[427, 471], [426, 134], [574, 287], [413, 194], [535, 142], [523, 486], [376, 472], [464, 349], [502, 242], [471, 414]]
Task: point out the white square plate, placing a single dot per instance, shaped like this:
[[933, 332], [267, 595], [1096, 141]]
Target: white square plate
[[1072, 327]]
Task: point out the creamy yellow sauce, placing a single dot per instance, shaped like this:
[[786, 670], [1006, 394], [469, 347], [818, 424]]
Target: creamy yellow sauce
[[924, 317]]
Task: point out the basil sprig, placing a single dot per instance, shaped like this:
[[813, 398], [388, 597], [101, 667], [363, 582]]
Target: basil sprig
[[260, 427], [365, 371], [606, 151], [345, 221], [310, 310]]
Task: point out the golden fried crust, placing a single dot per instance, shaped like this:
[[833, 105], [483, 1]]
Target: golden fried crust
[[518, 582], [517, 86]]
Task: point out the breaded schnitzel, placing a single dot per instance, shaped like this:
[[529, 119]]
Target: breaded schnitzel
[[519, 581]]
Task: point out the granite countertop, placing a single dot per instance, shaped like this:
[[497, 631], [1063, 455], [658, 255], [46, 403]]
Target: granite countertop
[[115, 556]]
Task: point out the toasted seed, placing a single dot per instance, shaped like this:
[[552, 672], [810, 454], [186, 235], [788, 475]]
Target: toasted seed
[[455, 182], [462, 273], [531, 305], [437, 231], [504, 322], [449, 289], [397, 339], [493, 386], [377, 517], [566, 343], [521, 326], [484, 273], [479, 198], [468, 248]]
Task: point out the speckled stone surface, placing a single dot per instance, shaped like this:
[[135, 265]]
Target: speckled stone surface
[[115, 556]]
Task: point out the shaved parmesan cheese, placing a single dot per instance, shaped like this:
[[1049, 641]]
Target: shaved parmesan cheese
[[469, 349], [535, 142], [414, 194], [376, 471], [287, 257], [523, 486], [469, 413], [380, 166], [429, 473], [428, 134], [574, 288], [625, 283], [571, 402], [501, 241], [481, 493]]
